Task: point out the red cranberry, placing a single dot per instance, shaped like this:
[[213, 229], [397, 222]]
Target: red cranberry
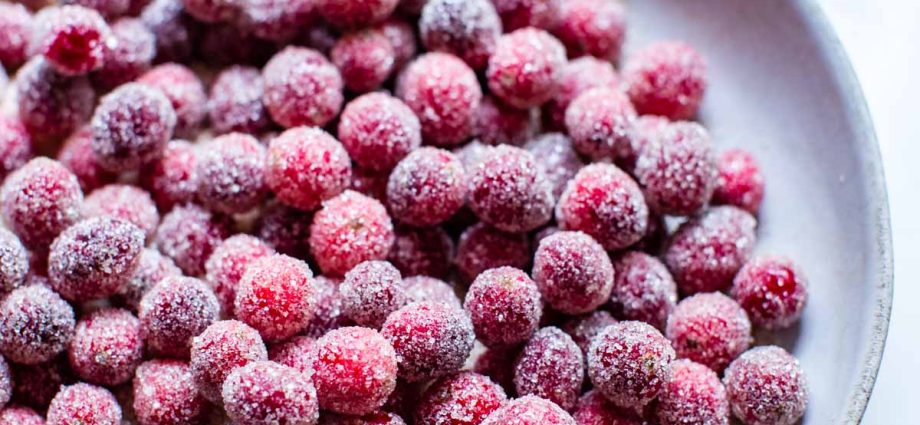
[[151, 268], [427, 187], [772, 290], [667, 79], [278, 20], [15, 31], [577, 77], [83, 403], [630, 363], [184, 91], [583, 329], [267, 392], [173, 179], [131, 56], [19, 415], [431, 339], [222, 348], [236, 104], [694, 394], [509, 191], [529, 410], [766, 385], [677, 171], [302, 88], [173, 312], [276, 296], [497, 123], [573, 272], [424, 251], [429, 289], [711, 329], [330, 312], [165, 394], [298, 352], [173, 29], [131, 126], [599, 121], [213, 11], [402, 37], [643, 289], [444, 93], [594, 409], [124, 202], [307, 166], [551, 366], [350, 229], [482, 247], [518, 14], [591, 27], [226, 265], [107, 347], [189, 234], [466, 28], [371, 291], [524, 71], [35, 325], [557, 158], [40, 200], [77, 156], [465, 398], [52, 105], [645, 130], [15, 145], [285, 229], [365, 58], [504, 305], [14, 262], [355, 370], [73, 39], [231, 173], [355, 13], [740, 182], [378, 131]]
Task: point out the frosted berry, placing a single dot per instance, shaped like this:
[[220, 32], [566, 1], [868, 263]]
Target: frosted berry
[[173, 312], [524, 71], [276, 296], [468, 29], [212, 11], [497, 123], [302, 88], [643, 289], [482, 247], [355, 13], [350, 229], [504, 305], [371, 291], [694, 395], [431, 339], [107, 347], [551, 366], [83, 403], [706, 252], [231, 173], [235, 103], [285, 229], [599, 121], [766, 385], [73, 39], [573, 272], [189, 234], [427, 187], [355, 370], [35, 325], [365, 58], [630, 363], [557, 158], [20, 415], [378, 131], [772, 290], [591, 27], [52, 105], [131, 56], [604, 202], [646, 129], [298, 352], [165, 394], [508, 190], [529, 410], [330, 312], [711, 329], [518, 14], [39, 201], [131, 126], [306, 166], [678, 171], [584, 328], [465, 398], [429, 289], [740, 182], [226, 265], [124, 202], [173, 179], [35, 385], [667, 79], [577, 77], [594, 409], [15, 144], [401, 35], [14, 262], [278, 20], [424, 251], [185, 93], [15, 32], [173, 29], [151, 268], [265, 392], [219, 350]]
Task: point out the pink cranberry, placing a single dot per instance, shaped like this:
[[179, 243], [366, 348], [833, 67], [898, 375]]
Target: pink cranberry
[[594, 409], [591, 27], [468, 29], [402, 37], [72, 39], [772, 290], [151, 268], [429, 289], [371, 291], [124, 202], [14, 266], [213, 11], [630, 363], [643, 289], [232, 173], [285, 229], [77, 156], [40, 200], [15, 144], [604, 202], [173, 29], [107, 347], [278, 20], [365, 58], [498, 364], [509, 191], [711, 329], [131, 126], [599, 121], [378, 131], [573, 272], [694, 394], [131, 56], [226, 265], [497, 123], [504, 305], [706, 252], [83, 403], [173, 179], [236, 104], [678, 171], [355, 13], [557, 158], [15, 32], [52, 105], [427, 187], [431, 339], [517, 14], [667, 79], [740, 182], [173, 312], [19, 415], [551, 366], [35, 325], [524, 71], [465, 398], [424, 251], [584, 328], [302, 88], [276, 296], [307, 166], [444, 93], [189, 234], [350, 229], [577, 77], [185, 92], [482, 247], [355, 370], [298, 352], [766, 385], [165, 394], [267, 392], [529, 410], [222, 348], [330, 311]]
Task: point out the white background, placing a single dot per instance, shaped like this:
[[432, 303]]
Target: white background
[[882, 38]]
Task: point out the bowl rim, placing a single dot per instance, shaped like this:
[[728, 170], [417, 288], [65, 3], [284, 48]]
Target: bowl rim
[[871, 163]]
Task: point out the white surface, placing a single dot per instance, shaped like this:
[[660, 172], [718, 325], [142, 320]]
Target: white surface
[[881, 38]]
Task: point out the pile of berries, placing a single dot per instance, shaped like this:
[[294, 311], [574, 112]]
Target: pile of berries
[[431, 212]]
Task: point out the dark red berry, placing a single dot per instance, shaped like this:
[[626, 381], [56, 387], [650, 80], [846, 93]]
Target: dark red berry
[[573, 272], [584, 328], [465, 398], [772, 290], [226, 44], [677, 170], [306, 166], [83, 403], [35, 325], [77, 156], [591, 27], [508, 190], [426, 251], [427, 187], [302, 88], [189, 234], [226, 265], [212, 11], [185, 93], [497, 123], [276, 296], [468, 29], [165, 394], [222, 348], [365, 58], [431, 339], [694, 395], [643, 289], [378, 131], [285, 229], [482, 247], [174, 30], [529, 410], [39, 201], [350, 229], [266, 392], [173, 312], [525, 68], [107, 347], [711, 329], [131, 126], [236, 104], [766, 385], [518, 14], [667, 79], [73, 39], [504, 305], [231, 173], [355, 370], [577, 77], [151, 268], [550, 366], [52, 105], [371, 291], [600, 121], [740, 182], [379, 418], [630, 363], [124, 202], [355, 13], [173, 179], [131, 56]]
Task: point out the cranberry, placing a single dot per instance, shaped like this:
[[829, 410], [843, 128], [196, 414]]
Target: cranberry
[[278, 20], [573, 272], [231, 173], [285, 229], [73, 39], [302, 88], [173, 29], [630, 363], [173, 179], [173, 312], [740, 182], [130, 57], [370, 183], [124, 202], [355, 370], [504, 305], [591, 27], [711, 329], [667, 79], [276, 296], [371, 291], [599, 121], [518, 14], [19, 415], [222, 348], [236, 104], [226, 265], [15, 31], [643, 289], [131, 126], [307, 166], [766, 385], [426, 251], [267, 392], [594, 409], [577, 77], [298, 352], [40, 200], [772, 290], [189, 234], [350, 229], [227, 44], [429, 289], [77, 156], [35, 325], [330, 311], [498, 364], [431, 339], [508, 190], [694, 394], [355, 13], [165, 394], [378, 131], [469, 29], [497, 123], [83, 403], [550, 366], [677, 171], [15, 145], [365, 58], [584, 328], [646, 129], [529, 410], [185, 93], [14, 262], [402, 38], [52, 105], [151, 268], [524, 71], [482, 247], [106, 347], [557, 158], [465, 398], [427, 187]]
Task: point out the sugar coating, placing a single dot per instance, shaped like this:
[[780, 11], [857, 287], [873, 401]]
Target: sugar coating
[[285, 229], [302, 88], [504, 305], [173, 312], [73, 39], [465, 398], [550, 366], [131, 126], [131, 56], [497, 123], [427, 187], [378, 130], [694, 395], [402, 37], [371, 291], [472, 153], [232, 173], [740, 182], [430, 289], [584, 328], [509, 191], [189, 234], [172, 27], [16, 29], [630, 363], [173, 178], [426, 251], [529, 410], [573, 272], [165, 394], [555, 155], [604, 202], [226, 265], [124, 202], [483, 247], [94, 258], [594, 409], [265, 392], [666, 78], [35, 385], [599, 121], [330, 311], [77, 155], [35, 325], [444, 93], [677, 170], [20, 415], [276, 296], [355, 13], [306, 166], [645, 130], [14, 262], [498, 364], [365, 58], [52, 105], [643, 289], [577, 77], [706, 252], [83, 403], [39, 201], [185, 93], [431, 339], [468, 29], [525, 68], [711, 329], [212, 11], [151, 268], [235, 103], [219, 350], [591, 27], [298, 352], [350, 229], [6, 384], [277, 20], [15, 144], [355, 370], [518, 14], [772, 290], [106, 347], [766, 385]]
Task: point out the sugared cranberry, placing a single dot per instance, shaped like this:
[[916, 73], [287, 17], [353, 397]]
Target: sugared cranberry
[[185, 93], [573, 272], [431, 339], [711, 329], [302, 88], [643, 289], [551, 366], [189, 234], [468, 29], [266, 392], [236, 104], [231, 173], [35, 385], [52, 105], [427, 187], [83, 404], [429, 289], [518, 14], [740, 182], [131, 126], [73, 39], [298, 352], [677, 170], [131, 56], [378, 131], [694, 394], [630, 363], [20, 415], [365, 58], [583, 329], [219, 350], [772, 290], [40, 200], [77, 156], [599, 121], [371, 291], [667, 79], [285, 229], [355, 370], [462, 399], [14, 262], [646, 129], [173, 179], [151, 268], [278, 20], [330, 312], [497, 123], [124, 202], [524, 71], [165, 394], [35, 325], [226, 265], [577, 77], [557, 158], [402, 38], [498, 364], [213, 11], [424, 251], [306, 166], [482, 247], [529, 410], [350, 229], [173, 312], [591, 27], [15, 144], [504, 305], [766, 385], [15, 32], [276, 296], [107, 347], [594, 409], [173, 29], [355, 13], [509, 191]]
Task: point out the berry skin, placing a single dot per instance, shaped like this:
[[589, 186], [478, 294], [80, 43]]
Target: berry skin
[[276, 296], [371, 291], [594, 409], [365, 58], [94, 258], [52, 105], [468, 29], [431, 339], [551, 366], [444, 93], [355, 13], [517, 14], [226, 265], [577, 77], [14, 262], [465, 398], [39, 201], [185, 93], [508, 191], [151, 268], [643, 289], [165, 394], [222, 348], [330, 312], [706, 252], [77, 156], [591, 27], [740, 182], [772, 290], [666, 79], [350, 229], [529, 410], [429, 289], [426, 251], [427, 187], [231, 173], [497, 123], [599, 121], [189, 234], [573, 272], [173, 179], [584, 328], [604, 202], [482, 247], [302, 88], [524, 71], [15, 30], [73, 39], [106, 347], [265, 392], [131, 126], [124, 202], [131, 56], [711, 329], [766, 385], [504, 305], [285, 229], [557, 158], [173, 312], [630, 363], [378, 131], [693, 395], [298, 352], [35, 325], [83, 404], [235, 104], [355, 371], [15, 143], [19, 415], [307, 166]]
